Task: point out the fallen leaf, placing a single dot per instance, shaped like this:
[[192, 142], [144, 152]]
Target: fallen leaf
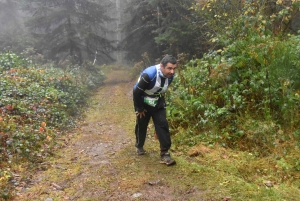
[[43, 124], [9, 107], [224, 156]]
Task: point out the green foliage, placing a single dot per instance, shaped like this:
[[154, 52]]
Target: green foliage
[[228, 21], [36, 103], [245, 95], [10, 60]]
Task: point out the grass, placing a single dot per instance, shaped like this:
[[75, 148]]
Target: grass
[[215, 173]]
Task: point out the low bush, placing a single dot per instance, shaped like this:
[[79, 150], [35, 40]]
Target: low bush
[[35, 103], [244, 95]]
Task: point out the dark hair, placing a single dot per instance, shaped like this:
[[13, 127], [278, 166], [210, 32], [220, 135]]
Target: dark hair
[[168, 59]]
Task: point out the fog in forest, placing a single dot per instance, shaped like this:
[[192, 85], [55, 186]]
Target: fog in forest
[[23, 22]]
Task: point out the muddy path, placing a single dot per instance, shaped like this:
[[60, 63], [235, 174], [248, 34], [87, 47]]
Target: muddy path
[[98, 160]]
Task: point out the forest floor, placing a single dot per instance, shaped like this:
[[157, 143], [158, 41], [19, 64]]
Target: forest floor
[[98, 160]]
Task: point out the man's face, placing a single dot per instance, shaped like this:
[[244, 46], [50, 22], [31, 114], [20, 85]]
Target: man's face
[[168, 70]]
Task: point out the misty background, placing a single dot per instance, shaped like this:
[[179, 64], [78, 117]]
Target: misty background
[[108, 31], [78, 30], [103, 32]]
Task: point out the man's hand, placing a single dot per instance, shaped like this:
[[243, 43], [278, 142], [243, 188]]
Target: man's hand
[[140, 114]]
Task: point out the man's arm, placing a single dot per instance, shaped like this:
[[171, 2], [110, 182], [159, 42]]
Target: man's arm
[[138, 92]]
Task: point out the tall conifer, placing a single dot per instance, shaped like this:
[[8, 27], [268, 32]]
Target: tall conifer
[[74, 28]]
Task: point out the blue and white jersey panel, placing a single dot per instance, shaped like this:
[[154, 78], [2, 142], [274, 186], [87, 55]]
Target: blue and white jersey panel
[[155, 84], [151, 72]]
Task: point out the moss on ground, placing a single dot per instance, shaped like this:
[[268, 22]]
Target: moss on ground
[[113, 171]]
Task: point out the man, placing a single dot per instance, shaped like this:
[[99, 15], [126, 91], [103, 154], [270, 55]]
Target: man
[[149, 101]]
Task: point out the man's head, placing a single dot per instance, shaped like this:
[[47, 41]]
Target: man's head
[[168, 65]]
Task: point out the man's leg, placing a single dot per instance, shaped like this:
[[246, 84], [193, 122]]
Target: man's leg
[[163, 134], [141, 130], [162, 129]]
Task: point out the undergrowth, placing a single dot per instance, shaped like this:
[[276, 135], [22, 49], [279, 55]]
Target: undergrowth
[[234, 114], [38, 102], [245, 95]]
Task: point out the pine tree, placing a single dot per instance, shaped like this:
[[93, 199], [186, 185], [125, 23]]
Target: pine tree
[[72, 28], [163, 27], [140, 30], [177, 32], [12, 32]]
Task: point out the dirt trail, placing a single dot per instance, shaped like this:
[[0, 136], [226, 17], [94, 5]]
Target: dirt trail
[[98, 161]]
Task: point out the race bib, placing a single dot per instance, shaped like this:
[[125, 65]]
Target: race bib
[[151, 101]]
